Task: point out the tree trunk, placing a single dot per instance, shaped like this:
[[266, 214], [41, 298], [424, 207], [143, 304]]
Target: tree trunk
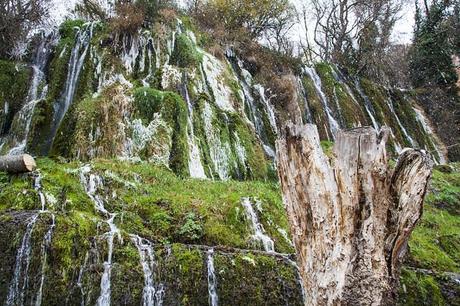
[[17, 163], [351, 214]]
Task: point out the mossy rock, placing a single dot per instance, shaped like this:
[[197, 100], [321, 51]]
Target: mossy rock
[[185, 52]]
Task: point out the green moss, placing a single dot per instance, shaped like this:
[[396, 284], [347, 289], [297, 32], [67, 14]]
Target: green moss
[[348, 112], [173, 110], [435, 241], [14, 81], [316, 108], [419, 289], [248, 279], [67, 28], [327, 147], [185, 53]]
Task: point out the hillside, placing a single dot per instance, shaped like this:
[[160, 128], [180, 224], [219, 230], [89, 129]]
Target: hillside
[[156, 178]]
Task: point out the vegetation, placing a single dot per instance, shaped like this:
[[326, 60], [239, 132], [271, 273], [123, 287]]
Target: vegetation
[[430, 61], [17, 18]]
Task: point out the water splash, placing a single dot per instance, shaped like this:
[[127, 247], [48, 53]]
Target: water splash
[[333, 124], [259, 231], [152, 295], [212, 279]]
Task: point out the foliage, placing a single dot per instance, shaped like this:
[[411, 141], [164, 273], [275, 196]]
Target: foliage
[[231, 18], [430, 57], [16, 19], [13, 90], [128, 20]]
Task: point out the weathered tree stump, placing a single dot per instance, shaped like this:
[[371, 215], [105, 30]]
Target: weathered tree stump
[[351, 215], [17, 163]]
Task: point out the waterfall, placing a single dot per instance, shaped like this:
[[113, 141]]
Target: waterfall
[[218, 151], [195, 166], [268, 107], [367, 105], [80, 279], [308, 115], [212, 280], [257, 227], [403, 129], [77, 58], [37, 91], [252, 113], [248, 99], [46, 243], [17, 290], [41, 195], [433, 137], [333, 124], [92, 183], [152, 295]]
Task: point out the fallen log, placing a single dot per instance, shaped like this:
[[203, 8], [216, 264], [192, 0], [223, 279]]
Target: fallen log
[[351, 215], [17, 163]]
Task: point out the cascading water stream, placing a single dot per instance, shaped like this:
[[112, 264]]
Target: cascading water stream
[[268, 107], [427, 127], [218, 150], [308, 115], [152, 294], [80, 279], [195, 166], [37, 91], [77, 58], [44, 251], [92, 184], [367, 105], [212, 279], [333, 124], [403, 129], [20, 279], [252, 113], [259, 232]]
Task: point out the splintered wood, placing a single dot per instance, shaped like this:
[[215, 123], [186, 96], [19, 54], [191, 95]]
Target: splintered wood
[[351, 215]]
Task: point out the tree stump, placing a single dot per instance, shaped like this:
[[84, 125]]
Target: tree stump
[[351, 215], [17, 163]]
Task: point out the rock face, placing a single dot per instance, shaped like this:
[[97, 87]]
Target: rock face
[[351, 215]]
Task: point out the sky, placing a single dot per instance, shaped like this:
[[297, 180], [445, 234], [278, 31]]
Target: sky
[[402, 34]]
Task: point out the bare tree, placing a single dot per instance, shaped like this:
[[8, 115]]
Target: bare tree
[[16, 19], [354, 33]]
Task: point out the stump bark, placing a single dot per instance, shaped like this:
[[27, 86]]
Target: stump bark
[[17, 163], [350, 214]]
